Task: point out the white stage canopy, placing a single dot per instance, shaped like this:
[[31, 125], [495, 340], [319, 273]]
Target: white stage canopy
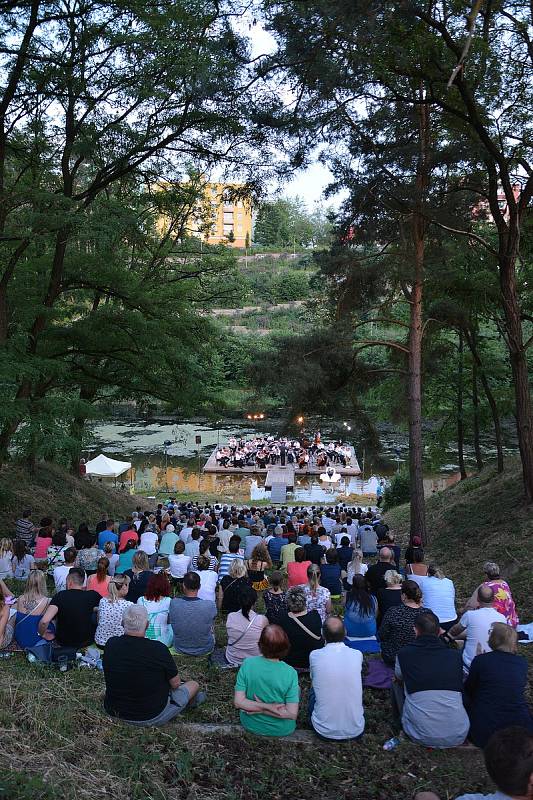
[[105, 467]]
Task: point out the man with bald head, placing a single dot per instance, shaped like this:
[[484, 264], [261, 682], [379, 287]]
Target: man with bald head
[[336, 696], [375, 576], [474, 626]]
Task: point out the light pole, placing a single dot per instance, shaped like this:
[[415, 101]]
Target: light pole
[[166, 444]]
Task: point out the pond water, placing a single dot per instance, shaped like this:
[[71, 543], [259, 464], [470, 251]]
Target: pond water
[[180, 468]]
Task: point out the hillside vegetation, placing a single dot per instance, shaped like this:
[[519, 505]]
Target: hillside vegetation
[[54, 492], [479, 519]]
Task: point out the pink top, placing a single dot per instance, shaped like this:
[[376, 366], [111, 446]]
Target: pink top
[[125, 537], [41, 547], [297, 572], [102, 587], [503, 600]]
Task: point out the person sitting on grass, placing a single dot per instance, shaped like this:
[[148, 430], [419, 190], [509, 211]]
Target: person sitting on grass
[[360, 613], [192, 619], [266, 689], [345, 552], [297, 569], [287, 552], [474, 626], [503, 600], [317, 596], [112, 557], [258, 562], [276, 544], [208, 579], [156, 601], [21, 561], [88, 553], [396, 629], [227, 558], [275, 599], [204, 551], [244, 628], [495, 687], [427, 690], [99, 582], [142, 683], [303, 628], [60, 573], [391, 595], [111, 610], [7, 625], [31, 607], [139, 575], [336, 695], [73, 612], [178, 563], [331, 574], [6, 554], [375, 576], [509, 762], [230, 587]]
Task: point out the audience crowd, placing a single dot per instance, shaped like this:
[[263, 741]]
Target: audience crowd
[[153, 585]]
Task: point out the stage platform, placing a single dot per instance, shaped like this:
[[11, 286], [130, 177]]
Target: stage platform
[[212, 466]]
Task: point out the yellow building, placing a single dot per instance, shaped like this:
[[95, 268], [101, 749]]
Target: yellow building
[[221, 218], [231, 217]]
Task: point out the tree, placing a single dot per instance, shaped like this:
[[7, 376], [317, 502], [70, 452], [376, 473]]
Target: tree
[[97, 103], [349, 60], [285, 223]]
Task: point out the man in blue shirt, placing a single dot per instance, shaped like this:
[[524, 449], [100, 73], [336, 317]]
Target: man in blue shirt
[[108, 535], [275, 545]]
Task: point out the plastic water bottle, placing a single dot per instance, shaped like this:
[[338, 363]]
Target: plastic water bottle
[[31, 658], [390, 744]]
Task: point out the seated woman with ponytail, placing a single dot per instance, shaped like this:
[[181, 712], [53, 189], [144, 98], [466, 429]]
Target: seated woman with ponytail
[[99, 582], [244, 628]]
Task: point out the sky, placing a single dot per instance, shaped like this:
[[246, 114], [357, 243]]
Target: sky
[[308, 183]]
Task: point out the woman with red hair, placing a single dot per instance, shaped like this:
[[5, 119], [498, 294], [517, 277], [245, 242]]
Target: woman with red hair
[[156, 601]]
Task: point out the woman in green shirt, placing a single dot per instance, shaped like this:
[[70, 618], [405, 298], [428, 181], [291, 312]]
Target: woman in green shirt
[[266, 690]]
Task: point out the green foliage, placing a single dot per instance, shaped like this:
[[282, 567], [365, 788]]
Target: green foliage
[[289, 285], [287, 222], [398, 492], [103, 153]]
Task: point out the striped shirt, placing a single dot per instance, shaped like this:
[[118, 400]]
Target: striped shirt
[[24, 530], [225, 563]]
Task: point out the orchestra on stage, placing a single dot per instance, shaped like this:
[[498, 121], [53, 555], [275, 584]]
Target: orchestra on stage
[[263, 452]]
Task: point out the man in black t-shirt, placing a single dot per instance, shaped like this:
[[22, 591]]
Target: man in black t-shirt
[[142, 682], [375, 576], [314, 552], [73, 611]]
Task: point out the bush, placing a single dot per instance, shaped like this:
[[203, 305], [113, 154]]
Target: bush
[[398, 492]]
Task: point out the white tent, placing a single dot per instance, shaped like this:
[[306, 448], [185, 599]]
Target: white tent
[[106, 467]]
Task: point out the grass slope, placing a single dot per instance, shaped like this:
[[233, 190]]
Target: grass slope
[[54, 492], [480, 519], [57, 742]]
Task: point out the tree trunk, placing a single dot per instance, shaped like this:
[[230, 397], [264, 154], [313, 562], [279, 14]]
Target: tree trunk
[[471, 339], [460, 411], [475, 405], [77, 428], [416, 329], [519, 365], [418, 508]]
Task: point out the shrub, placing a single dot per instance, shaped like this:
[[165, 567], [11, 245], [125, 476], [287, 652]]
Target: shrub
[[398, 492]]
